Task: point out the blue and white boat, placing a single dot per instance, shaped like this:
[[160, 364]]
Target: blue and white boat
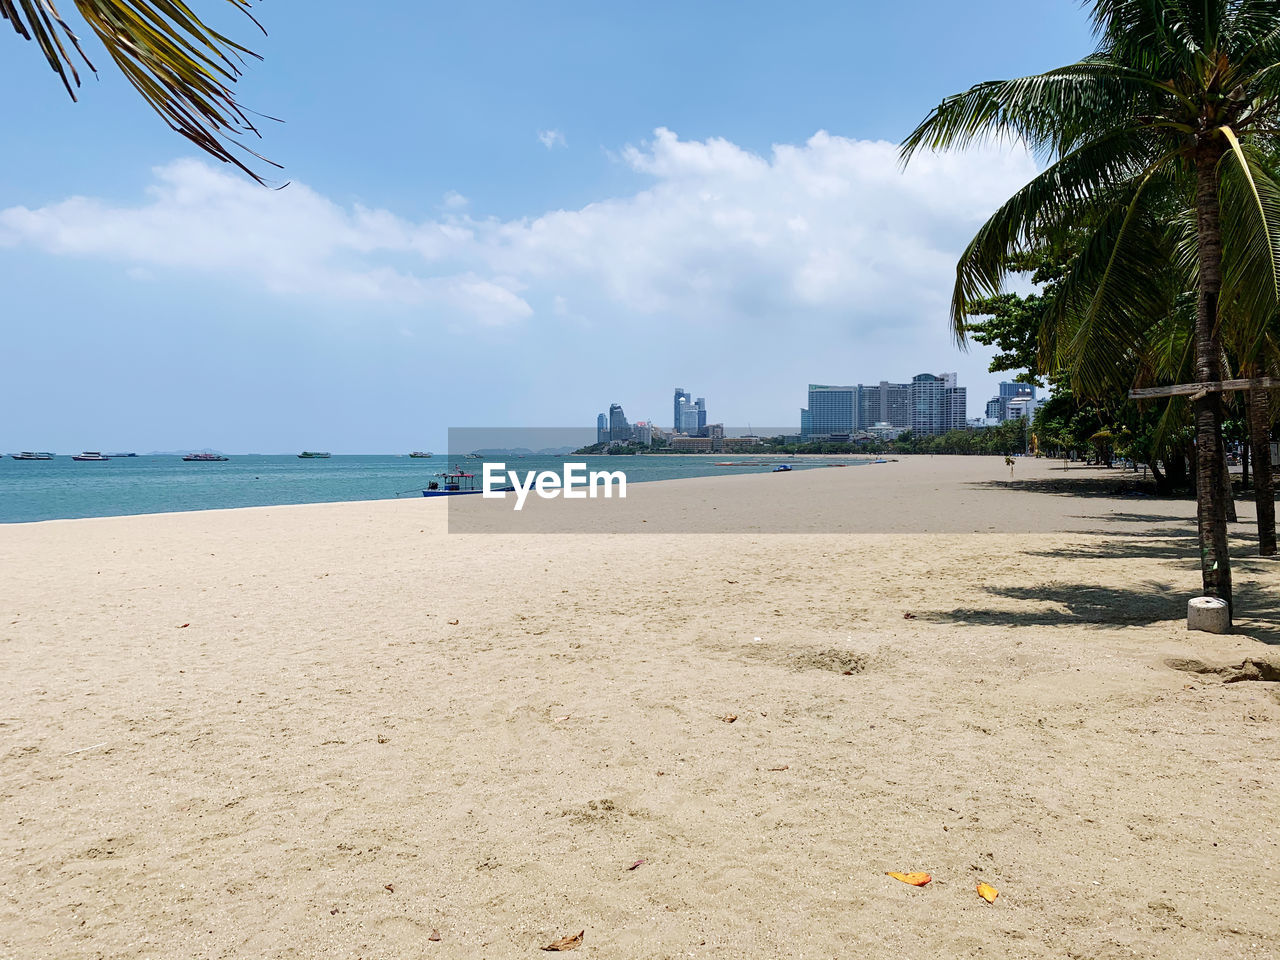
[[456, 484]]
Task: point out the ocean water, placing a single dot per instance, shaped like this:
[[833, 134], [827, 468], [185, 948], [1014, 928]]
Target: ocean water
[[64, 489]]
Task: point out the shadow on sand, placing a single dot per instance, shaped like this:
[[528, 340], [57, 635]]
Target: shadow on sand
[[1075, 604], [1257, 607], [1120, 486], [1161, 532]]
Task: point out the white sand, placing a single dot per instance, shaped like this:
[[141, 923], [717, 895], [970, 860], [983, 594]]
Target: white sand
[[321, 729]]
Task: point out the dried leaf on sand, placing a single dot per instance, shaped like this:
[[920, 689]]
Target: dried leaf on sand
[[566, 943]]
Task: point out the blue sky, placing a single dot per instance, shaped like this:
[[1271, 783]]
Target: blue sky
[[501, 214]]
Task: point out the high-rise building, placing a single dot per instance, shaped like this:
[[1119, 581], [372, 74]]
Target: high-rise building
[[1009, 388], [686, 416], [999, 407], [682, 396], [832, 411], [701, 406], [930, 412], [642, 432], [619, 429], [886, 403], [602, 428], [957, 406]]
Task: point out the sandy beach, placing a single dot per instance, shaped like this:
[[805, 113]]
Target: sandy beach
[[338, 730]]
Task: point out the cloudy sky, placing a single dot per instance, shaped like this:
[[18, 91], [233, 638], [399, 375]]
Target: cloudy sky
[[502, 214]]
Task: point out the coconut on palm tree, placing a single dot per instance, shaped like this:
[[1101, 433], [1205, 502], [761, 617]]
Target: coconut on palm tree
[[1174, 102], [182, 67]]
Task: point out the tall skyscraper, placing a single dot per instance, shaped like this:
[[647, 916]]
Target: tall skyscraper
[[602, 428], [929, 409], [686, 416], [701, 406], [937, 404], [957, 406], [619, 429], [682, 396]]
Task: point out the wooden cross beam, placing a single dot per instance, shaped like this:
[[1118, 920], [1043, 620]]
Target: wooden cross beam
[[1197, 390]]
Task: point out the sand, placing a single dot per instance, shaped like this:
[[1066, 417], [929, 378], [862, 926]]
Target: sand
[[330, 730]]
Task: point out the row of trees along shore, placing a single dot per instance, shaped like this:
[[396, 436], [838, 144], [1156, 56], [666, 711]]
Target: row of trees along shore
[[1154, 231]]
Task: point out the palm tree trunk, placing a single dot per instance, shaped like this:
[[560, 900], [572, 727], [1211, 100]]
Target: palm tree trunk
[[1246, 449], [1211, 512], [1263, 489], [1227, 490]]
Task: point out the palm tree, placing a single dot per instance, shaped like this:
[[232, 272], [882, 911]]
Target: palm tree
[[1172, 103], [183, 68]]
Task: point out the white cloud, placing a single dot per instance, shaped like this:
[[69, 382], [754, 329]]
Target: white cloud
[[831, 232], [552, 139]]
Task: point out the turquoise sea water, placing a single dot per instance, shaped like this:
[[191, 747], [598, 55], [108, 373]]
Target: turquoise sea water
[[64, 489]]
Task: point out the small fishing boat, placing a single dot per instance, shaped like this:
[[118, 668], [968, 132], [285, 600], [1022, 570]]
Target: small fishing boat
[[30, 455], [313, 455], [456, 484], [205, 458], [782, 468], [421, 454], [90, 456]]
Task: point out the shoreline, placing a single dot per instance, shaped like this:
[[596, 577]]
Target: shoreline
[[992, 465]]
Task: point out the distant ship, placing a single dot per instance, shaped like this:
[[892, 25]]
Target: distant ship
[[112, 456], [91, 456], [421, 454], [313, 455], [205, 458], [29, 455]]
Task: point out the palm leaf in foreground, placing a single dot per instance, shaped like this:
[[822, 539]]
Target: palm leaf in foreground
[[182, 67]]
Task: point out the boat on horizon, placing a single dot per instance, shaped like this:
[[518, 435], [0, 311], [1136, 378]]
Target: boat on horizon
[[112, 456], [205, 458], [90, 456], [313, 455], [422, 454], [31, 455]]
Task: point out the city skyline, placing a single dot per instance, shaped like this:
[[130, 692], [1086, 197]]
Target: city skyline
[[929, 404]]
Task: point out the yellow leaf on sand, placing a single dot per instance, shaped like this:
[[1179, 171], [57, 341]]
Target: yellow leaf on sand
[[918, 879], [987, 892]]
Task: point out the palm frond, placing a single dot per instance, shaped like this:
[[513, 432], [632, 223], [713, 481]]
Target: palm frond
[[1052, 112], [1250, 201], [1077, 186], [183, 68]]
